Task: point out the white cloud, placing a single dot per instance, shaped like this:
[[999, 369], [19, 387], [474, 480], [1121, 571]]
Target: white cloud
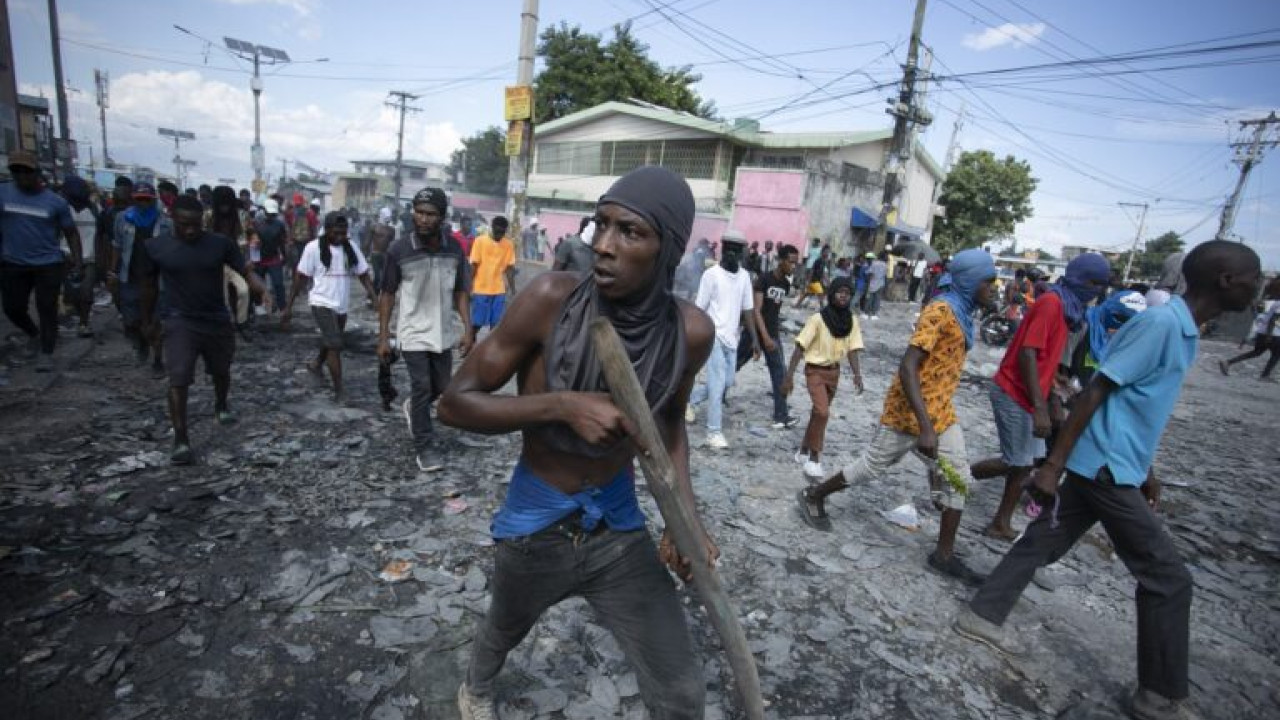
[[221, 116], [304, 8], [305, 22], [1007, 34]]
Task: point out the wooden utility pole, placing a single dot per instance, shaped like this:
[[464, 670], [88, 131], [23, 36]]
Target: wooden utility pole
[[1248, 154], [1142, 225], [907, 115], [62, 148], [401, 103], [518, 169]]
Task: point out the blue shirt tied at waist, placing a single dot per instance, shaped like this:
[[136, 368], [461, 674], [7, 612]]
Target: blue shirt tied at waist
[[532, 505]]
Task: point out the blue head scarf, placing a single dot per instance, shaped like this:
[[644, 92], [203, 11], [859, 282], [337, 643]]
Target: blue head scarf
[[1074, 287], [142, 218], [966, 273], [1113, 312]]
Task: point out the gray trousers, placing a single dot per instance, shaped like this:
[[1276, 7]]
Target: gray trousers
[[429, 373], [1164, 585], [620, 575]]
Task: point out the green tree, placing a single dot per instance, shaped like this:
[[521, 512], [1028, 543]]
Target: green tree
[[985, 199], [486, 162], [1150, 262], [582, 70]]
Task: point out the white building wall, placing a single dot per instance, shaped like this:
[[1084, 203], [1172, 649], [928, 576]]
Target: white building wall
[[916, 200], [707, 194], [868, 155]]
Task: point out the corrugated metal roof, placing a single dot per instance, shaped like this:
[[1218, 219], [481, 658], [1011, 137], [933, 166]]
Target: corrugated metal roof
[[753, 138]]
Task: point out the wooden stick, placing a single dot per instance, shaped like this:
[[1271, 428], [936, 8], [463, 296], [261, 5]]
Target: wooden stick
[[681, 520]]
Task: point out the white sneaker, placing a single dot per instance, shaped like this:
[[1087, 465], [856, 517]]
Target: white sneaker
[[716, 441], [813, 469], [801, 457], [474, 707], [688, 414], [875, 317]]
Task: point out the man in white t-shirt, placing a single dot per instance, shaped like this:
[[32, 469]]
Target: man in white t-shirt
[[330, 262], [725, 293], [1266, 334], [918, 270]]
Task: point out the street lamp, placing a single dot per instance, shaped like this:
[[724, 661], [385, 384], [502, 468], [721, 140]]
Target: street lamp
[[179, 165], [259, 54]]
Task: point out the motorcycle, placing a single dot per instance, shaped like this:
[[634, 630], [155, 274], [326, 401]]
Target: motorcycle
[[997, 325]]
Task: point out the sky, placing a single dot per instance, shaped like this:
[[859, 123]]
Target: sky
[[1155, 131]]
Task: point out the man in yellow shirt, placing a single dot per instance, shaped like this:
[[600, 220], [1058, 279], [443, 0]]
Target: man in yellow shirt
[[493, 260], [918, 411]]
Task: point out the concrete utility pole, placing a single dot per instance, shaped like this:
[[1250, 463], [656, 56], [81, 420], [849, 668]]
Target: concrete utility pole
[[401, 103], [907, 115], [101, 84], [62, 151], [518, 169], [1246, 159], [1142, 224], [953, 149]]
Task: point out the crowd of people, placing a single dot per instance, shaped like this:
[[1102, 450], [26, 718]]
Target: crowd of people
[[1080, 400]]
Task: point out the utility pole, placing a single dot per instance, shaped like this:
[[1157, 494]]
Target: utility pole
[[284, 169], [101, 83], [260, 55], [179, 165], [953, 148], [907, 115], [518, 169], [1246, 159], [62, 153], [1142, 224], [402, 99]]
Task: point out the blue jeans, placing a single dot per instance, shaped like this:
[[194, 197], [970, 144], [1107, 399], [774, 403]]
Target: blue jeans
[[777, 373], [873, 302], [276, 273], [721, 366]]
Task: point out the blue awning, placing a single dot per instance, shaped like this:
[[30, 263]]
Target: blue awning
[[862, 219], [906, 230]]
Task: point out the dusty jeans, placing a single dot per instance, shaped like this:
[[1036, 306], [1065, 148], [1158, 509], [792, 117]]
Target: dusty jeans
[[632, 595], [1164, 584]]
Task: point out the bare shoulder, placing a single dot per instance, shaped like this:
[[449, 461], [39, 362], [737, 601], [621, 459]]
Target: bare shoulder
[[699, 332], [550, 287]]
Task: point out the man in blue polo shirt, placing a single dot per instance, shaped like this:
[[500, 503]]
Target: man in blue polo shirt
[[1106, 447], [31, 259]]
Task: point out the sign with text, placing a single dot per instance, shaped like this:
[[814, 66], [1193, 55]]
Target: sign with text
[[519, 105], [515, 137]]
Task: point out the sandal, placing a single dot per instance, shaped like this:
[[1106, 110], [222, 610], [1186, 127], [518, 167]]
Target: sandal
[[812, 512]]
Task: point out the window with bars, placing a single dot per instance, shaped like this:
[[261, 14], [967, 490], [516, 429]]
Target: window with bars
[[694, 159]]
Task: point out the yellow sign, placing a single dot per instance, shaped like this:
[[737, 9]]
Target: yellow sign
[[515, 137], [519, 105], [259, 186]]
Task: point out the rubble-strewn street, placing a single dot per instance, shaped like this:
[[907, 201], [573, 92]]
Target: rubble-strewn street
[[304, 569]]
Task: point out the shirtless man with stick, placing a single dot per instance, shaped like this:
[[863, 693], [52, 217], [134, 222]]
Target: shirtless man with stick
[[570, 524]]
